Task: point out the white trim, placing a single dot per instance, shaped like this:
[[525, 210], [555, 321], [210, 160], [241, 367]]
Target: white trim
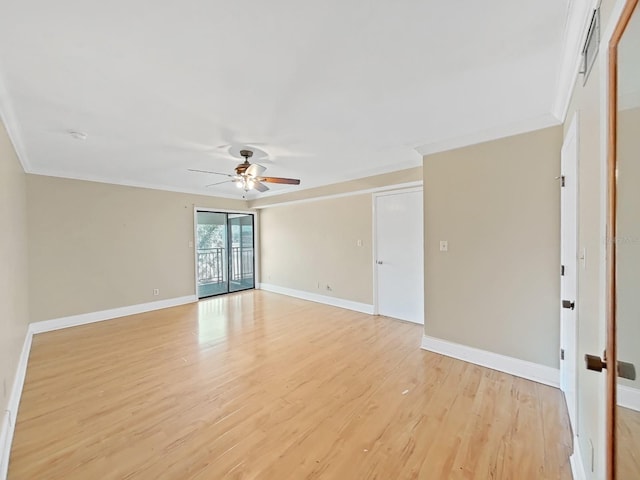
[[516, 128], [256, 248], [8, 116], [577, 467], [397, 186], [194, 243], [374, 253], [85, 177], [223, 210], [11, 414], [4, 436], [398, 192], [573, 134], [513, 366], [314, 297], [576, 27], [629, 397], [92, 317]]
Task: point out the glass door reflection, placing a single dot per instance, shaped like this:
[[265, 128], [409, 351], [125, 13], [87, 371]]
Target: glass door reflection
[[627, 248], [241, 262]]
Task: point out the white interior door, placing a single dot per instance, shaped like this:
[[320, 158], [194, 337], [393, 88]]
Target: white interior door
[[569, 271], [399, 255]]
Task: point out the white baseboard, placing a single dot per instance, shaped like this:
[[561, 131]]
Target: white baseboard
[[85, 318], [10, 415], [4, 437], [513, 366], [629, 397], [314, 297], [577, 467]]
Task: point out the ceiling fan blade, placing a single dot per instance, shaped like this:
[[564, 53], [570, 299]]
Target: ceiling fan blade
[[286, 181], [219, 183], [207, 171], [255, 170], [261, 187]]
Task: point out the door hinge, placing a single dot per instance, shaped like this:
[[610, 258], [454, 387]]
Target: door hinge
[[562, 354], [562, 270], [562, 182]]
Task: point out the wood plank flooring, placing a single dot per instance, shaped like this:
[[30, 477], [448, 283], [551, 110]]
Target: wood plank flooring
[[628, 451], [262, 386]]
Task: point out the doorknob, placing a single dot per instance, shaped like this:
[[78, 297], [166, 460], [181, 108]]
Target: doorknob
[[568, 304], [595, 363], [624, 369], [379, 262]]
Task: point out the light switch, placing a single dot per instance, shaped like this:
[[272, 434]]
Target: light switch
[[359, 243], [444, 246]]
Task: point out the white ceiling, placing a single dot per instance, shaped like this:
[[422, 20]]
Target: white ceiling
[[331, 90]]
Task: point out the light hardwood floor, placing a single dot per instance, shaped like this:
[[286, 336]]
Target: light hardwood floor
[[628, 431], [259, 385]]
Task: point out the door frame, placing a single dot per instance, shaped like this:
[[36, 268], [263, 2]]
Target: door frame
[[573, 134], [256, 242], [620, 16], [374, 235]]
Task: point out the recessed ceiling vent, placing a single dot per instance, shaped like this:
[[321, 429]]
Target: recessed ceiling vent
[[591, 44]]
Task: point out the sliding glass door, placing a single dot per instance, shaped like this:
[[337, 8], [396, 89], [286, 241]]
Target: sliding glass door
[[241, 262], [224, 253]]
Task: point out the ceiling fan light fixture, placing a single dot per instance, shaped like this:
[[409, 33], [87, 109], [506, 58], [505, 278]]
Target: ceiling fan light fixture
[[248, 176]]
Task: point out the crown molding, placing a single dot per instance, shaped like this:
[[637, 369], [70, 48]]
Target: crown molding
[[10, 121], [576, 25], [126, 183]]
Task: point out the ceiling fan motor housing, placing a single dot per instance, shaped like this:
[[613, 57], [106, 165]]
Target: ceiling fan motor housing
[[241, 168], [247, 154]]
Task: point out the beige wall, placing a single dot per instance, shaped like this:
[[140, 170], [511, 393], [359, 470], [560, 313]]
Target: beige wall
[[312, 243], [95, 246], [497, 204], [308, 246], [13, 260]]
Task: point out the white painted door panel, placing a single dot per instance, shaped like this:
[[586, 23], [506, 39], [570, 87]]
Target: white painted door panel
[[569, 265], [399, 255]]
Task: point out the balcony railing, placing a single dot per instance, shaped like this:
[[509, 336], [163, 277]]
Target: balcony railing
[[212, 262]]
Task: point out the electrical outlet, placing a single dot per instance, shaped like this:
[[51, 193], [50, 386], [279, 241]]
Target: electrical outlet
[[444, 246], [156, 292]]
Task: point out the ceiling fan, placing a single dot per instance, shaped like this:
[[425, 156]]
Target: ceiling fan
[[249, 175]]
